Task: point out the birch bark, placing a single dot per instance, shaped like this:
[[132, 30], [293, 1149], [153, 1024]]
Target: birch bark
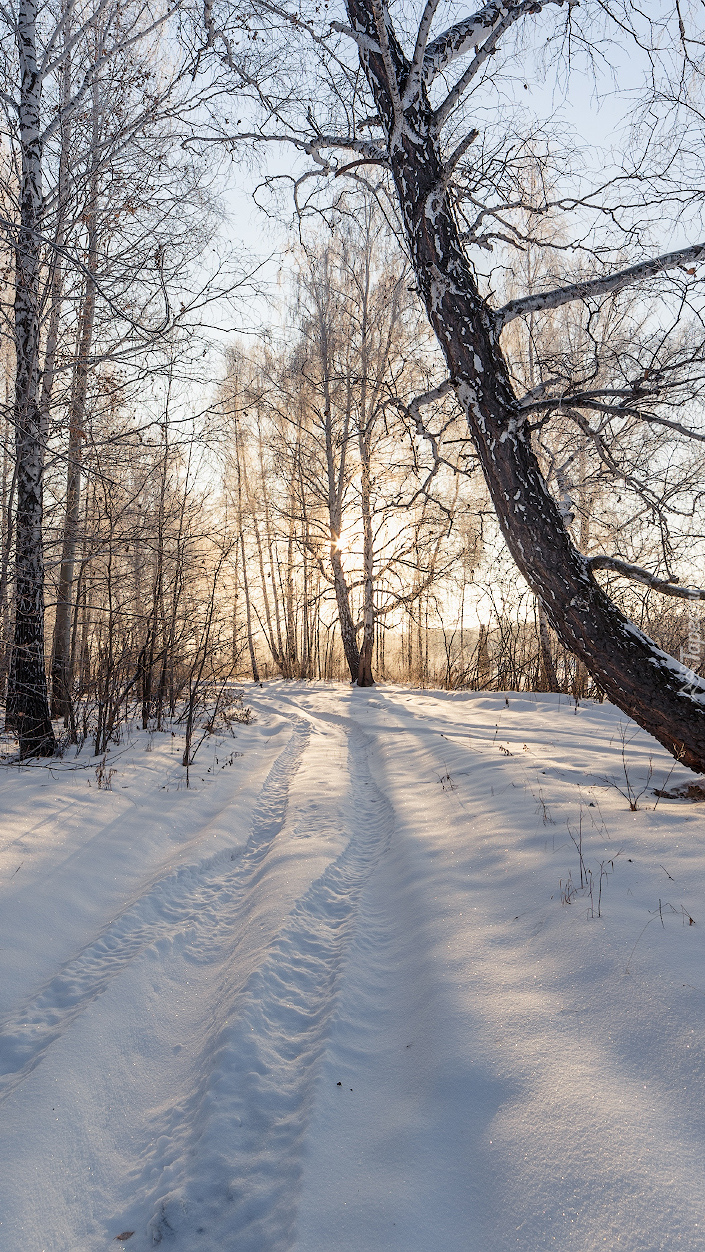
[[364, 439], [336, 488], [29, 706], [61, 645]]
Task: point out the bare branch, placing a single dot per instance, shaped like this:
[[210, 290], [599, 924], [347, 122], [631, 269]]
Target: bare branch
[[369, 151], [625, 411], [598, 286], [459, 152], [361, 39], [49, 66], [481, 54], [466, 35], [639, 575], [428, 397], [8, 100], [76, 262], [379, 10], [95, 70], [413, 81]]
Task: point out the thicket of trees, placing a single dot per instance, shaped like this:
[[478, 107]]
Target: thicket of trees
[[107, 219], [434, 109], [343, 501]]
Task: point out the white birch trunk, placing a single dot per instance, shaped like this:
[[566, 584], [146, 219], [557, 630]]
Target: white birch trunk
[[28, 703]]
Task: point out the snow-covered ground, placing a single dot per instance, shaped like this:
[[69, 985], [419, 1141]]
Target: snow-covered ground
[[331, 998]]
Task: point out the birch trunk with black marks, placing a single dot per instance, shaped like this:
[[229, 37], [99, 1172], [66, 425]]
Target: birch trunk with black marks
[[274, 643], [549, 679], [345, 619], [61, 678], [61, 646], [56, 268], [248, 610], [8, 521], [364, 672], [245, 582], [291, 660], [364, 441], [336, 488], [639, 677], [28, 700]]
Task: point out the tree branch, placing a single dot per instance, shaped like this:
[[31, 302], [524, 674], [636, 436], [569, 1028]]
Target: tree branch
[[481, 55], [379, 10], [639, 575], [8, 100], [95, 70], [466, 35], [415, 75], [361, 39], [598, 286], [428, 397]]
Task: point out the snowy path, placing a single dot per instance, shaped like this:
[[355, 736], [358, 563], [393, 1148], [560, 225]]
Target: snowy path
[[331, 1001]]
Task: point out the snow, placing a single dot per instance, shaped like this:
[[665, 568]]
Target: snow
[[331, 999]]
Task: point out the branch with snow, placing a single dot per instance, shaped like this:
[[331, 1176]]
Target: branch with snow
[[415, 74], [537, 401], [468, 34], [481, 54], [598, 286], [381, 16], [360, 38], [428, 397], [639, 575], [370, 153]]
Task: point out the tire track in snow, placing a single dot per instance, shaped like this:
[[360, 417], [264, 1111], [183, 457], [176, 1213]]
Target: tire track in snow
[[231, 1174], [194, 895]]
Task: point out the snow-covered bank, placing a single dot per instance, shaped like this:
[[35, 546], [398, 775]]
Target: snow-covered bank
[[331, 999]]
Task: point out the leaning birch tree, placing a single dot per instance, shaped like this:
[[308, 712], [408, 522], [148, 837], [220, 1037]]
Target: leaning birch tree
[[411, 104]]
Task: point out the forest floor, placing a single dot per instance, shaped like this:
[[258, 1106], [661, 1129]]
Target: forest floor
[[332, 998]]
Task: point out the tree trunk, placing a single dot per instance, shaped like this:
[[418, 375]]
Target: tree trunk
[[245, 583], [290, 622], [277, 653], [336, 474], [61, 642], [364, 440], [61, 645], [364, 672], [637, 676], [30, 706], [270, 548], [248, 610], [8, 512], [347, 625], [549, 678]]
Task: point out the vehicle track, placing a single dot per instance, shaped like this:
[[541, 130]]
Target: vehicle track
[[193, 896], [233, 1174]]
